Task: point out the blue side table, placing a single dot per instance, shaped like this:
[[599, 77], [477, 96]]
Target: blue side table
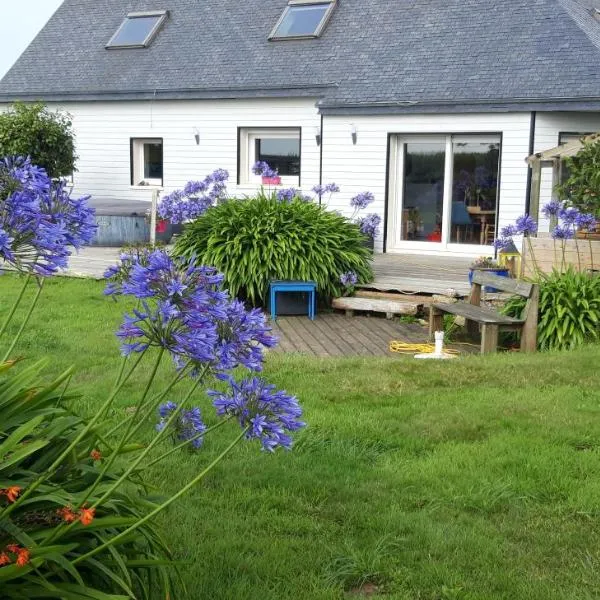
[[294, 286]]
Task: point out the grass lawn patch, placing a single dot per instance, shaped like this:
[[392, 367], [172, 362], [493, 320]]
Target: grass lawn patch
[[473, 479]]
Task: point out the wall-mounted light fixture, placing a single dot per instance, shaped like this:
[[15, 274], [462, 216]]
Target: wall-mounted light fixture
[[318, 135], [197, 136], [353, 133]]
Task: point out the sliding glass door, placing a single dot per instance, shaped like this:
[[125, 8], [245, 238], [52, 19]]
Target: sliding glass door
[[444, 192]]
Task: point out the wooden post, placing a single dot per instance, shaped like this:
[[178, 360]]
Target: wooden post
[[529, 331], [436, 322], [536, 181], [489, 338], [475, 300], [153, 217]]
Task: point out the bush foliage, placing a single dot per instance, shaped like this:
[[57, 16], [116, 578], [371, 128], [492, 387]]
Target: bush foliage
[[47, 137], [569, 310], [261, 239], [582, 188]]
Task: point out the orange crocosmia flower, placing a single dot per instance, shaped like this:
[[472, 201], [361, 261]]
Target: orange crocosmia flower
[[11, 493], [67, 514], [96, 455], [86, 515], [4, 559], [14, 548], [23, 557]]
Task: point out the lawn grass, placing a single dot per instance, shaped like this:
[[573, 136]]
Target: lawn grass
[[475, 479]]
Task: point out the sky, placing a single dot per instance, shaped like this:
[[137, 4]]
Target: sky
[[20, 22]]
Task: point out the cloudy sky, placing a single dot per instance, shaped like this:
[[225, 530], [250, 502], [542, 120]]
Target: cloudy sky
[[20, 23]]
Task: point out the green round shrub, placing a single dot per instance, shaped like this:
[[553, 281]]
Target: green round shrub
[[258, 240]]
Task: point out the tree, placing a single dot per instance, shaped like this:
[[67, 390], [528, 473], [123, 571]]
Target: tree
[[582, 187], [33, 130]]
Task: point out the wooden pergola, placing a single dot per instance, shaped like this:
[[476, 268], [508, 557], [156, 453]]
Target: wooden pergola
[[552, 158]]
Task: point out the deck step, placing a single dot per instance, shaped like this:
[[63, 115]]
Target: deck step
[[389, 307]]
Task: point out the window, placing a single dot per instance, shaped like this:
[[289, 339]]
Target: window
[[147, 162], [280, 148], [302, 19], [137, 30]]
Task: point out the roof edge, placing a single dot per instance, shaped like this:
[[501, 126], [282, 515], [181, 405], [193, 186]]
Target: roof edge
[[463, 106], [292, 91]]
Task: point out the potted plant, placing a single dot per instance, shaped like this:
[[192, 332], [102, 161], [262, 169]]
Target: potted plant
[[487, 263]]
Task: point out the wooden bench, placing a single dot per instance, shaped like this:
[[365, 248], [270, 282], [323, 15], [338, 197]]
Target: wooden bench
[[491, 321]]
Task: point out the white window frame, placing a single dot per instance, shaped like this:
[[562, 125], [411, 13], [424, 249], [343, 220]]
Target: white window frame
[[162, 14], [248, 137], [137, 163], [292, 3]]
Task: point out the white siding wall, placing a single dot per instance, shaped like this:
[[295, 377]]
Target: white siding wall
[[103, 131], [363, 166], [547, 130]]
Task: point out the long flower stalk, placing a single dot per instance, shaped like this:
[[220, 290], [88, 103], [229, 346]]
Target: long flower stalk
[[25, 320], [165, 504], [15, 305]]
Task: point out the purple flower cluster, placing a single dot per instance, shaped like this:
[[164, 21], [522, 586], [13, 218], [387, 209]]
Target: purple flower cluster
[[552, 209], [526, 225], [183, 309], [369, 225], [362, 200], [349, 279], [563, 232], [263, 169], [195, 198], [288, 194], [266, 413], [329, 188], [586, 222], [187, 425], [40, 224]]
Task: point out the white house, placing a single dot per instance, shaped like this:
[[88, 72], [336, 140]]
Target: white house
[[433, 106]]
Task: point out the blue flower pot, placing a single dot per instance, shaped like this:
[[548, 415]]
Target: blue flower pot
[[499, 271]]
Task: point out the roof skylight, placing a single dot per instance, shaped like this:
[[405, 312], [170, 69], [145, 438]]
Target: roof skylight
[[303, 19], [138, 30]]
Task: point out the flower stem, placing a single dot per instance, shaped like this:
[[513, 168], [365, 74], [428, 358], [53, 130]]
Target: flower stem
[[25, 321], [15, 305], [182, 445], [165, 504]]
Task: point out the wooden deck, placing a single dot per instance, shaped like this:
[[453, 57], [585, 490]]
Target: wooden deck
[[418, 274], [332, 334]]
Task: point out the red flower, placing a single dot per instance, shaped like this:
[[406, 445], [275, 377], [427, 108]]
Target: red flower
[[23, 557], [14, 548], [67, 514], [96, 455], [11, 493], [4, 559], [86, 515]]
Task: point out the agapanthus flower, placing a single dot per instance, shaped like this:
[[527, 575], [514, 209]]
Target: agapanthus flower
[[288, 194], [186, 426], [195, 198], [362, 200], [267, 414], [563, 232], [526, 225], [369, 224], [552, 208], [569, 215], [508, 231], [501, 243], [349, 279], [183, 309], [263, 169], [586, 222], [329, 188], [40, 223]]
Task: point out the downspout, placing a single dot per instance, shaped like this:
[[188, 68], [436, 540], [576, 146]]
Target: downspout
[[321, 159], [529, 169]]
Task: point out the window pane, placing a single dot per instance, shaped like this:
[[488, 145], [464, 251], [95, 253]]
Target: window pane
[[153, 161], [423, 197], [474, 191], [282, 154], [302, 20], [135, 30]]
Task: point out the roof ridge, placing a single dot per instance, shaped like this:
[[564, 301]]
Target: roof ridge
[[582, 13]]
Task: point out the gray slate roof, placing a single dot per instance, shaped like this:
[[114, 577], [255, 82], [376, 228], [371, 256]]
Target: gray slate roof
[[374, 55]]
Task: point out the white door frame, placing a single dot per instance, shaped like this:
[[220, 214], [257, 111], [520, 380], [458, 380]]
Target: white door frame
[[395, 244]]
